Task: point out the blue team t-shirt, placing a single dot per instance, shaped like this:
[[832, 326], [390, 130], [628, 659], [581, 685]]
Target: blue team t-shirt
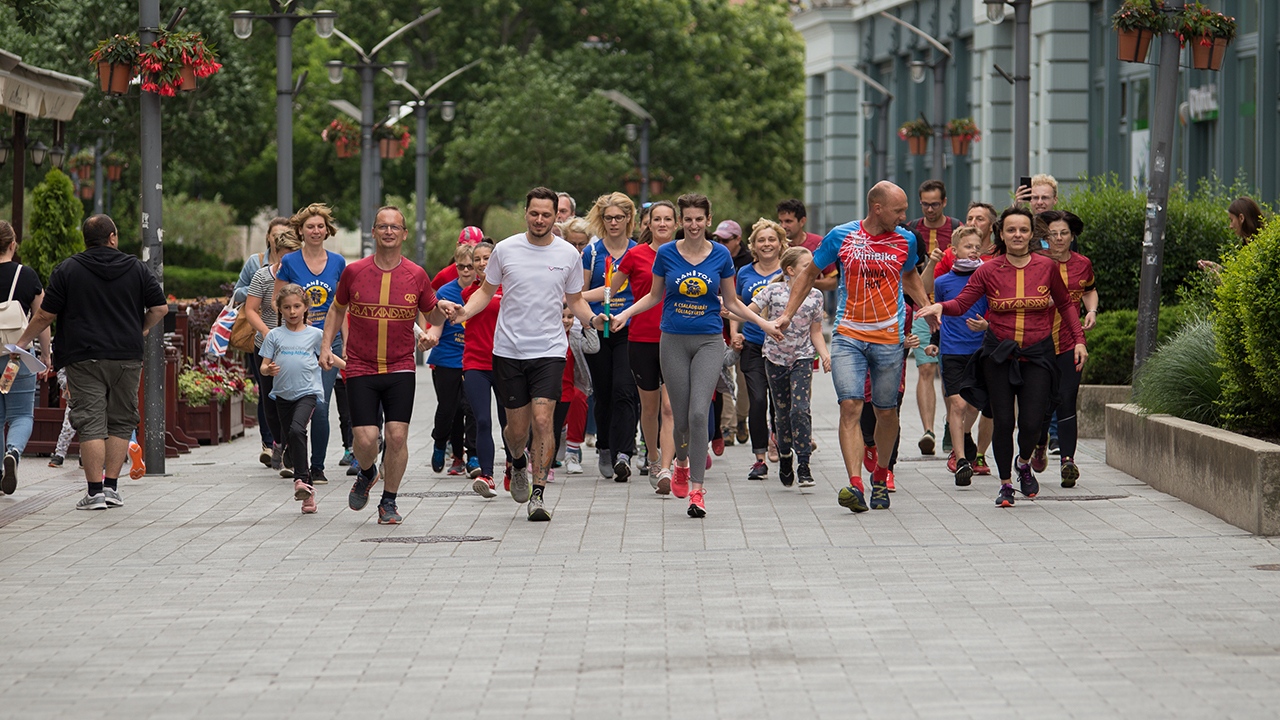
[[320, 288], [298, 355], [448, 353], [957, 338], [749, 283], [596, 251], [691, 298]]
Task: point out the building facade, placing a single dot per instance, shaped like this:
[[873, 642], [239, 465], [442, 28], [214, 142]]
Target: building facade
[[1090, 112]]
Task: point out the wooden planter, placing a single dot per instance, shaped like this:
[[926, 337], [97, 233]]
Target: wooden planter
[[84, 171], [346, 148], [113, 172], [918, 145], [1208, 57], [655, 187], [188, 75], [959, 145], [86, 191], [114, 79], [390, 148], [1134, 44], [632, 187], [203, 423], [233, 418]]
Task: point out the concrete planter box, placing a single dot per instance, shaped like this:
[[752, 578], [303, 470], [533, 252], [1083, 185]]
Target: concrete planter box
[[1091, 415], [1234, 477]]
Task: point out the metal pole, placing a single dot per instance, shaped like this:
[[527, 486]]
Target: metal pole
[[1160, 167], [284, 116], [939, 115], [367, 149], [152, 250], [97, 177], [644, 162], [882, 131], [420, 182], [1022, 89], [377, 177]]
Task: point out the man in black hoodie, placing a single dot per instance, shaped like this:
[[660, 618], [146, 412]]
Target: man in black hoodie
[[105, 302]]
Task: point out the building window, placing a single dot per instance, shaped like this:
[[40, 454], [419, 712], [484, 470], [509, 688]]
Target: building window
[[1247, 123], [1248, 19]]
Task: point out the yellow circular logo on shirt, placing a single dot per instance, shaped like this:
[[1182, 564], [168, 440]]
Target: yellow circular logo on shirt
[[317, 295], [693, 287]]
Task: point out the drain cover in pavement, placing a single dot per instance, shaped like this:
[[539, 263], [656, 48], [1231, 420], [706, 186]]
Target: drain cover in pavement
[[420, 539], [438, 493], [1273, 568], [1079, 498]]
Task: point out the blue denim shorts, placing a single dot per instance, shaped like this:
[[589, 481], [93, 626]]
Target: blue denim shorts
[[851, 360]]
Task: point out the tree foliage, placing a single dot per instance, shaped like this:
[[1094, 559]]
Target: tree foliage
[[55, 225], [1247, 323]]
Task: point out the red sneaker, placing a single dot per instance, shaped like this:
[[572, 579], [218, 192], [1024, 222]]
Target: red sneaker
[[717, 446], [506, 479], [680, 481], [888, 479], [696, 508], [135, 456], [951, 462], [869, 459], [457, 468], [980, 466]]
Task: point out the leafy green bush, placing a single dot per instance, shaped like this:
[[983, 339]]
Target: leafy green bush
[[187, 256], [1183, 378], [187, 283], [1248, 327], [55, 225], [1111, 344], [1114, 219], [208, 225]]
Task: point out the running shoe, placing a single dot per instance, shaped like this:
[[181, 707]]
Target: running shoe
[[92, 502], [286, 472], [642, 465], [347, 457], [301, 490], [980, 466], [55, 461], [139, 467], [318, 477], [603, 464], [622, 468], [785, 473], [741, 432], [758, 471], [113, 498], [484, 487], [1070, 472], [869, 459], [1027, 482], [573, 464], [538, 511], [359, 495], [387, 514], [653, 470], [520, 482], [1005, 498], [309, 505], [473, 467], [679, 481], [708, 461], [437, 459], [773, 448], [852, 498], [1053, 446], [888, 481], [927, 442], [946, 441], [879, 495], [457, 468], [277, 456], [589, 440], [264, 456], [9, 481], [951, 462], [506, 478], [963, 472], [354, 468], [803, 475], [717, 446], [696, 507], [663, 486], [727, 436], [1040, 458]]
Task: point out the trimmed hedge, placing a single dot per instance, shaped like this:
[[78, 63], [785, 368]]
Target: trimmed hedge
[[1112, 341], [188, 283], [1247, 322]]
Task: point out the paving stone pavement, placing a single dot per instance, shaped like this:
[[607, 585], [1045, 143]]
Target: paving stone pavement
[[208, 595]]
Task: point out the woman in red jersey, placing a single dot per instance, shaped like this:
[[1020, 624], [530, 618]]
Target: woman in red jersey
[[1017, 362], [477, 375]]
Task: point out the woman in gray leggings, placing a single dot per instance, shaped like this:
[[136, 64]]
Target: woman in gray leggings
[[691, 278]]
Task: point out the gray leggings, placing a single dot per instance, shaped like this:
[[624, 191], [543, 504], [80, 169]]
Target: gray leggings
[[690, 368]]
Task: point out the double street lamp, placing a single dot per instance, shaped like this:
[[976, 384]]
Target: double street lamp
[[939, 68], [283, 19], [870, 109], [1021, 78]]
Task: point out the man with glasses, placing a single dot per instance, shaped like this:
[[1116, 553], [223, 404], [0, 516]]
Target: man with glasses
[[380, 297], [934, 233]]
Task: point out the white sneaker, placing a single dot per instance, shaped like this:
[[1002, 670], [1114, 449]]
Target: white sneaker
[[92, 502], [572, 465]]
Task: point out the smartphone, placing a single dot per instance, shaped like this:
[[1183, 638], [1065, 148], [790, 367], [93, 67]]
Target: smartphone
[[1024, 181]]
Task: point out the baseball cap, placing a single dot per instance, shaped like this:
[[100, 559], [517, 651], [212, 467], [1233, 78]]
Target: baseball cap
[[727, 229], [471, 235]]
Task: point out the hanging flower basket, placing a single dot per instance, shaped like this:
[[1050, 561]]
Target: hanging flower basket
[[1133, 45], [174, 61], [917, 134], [1207, 53], [345, 136], [188, 75], [1208, 32], [1136, 22], [86, 190], [115, 60], [346, 148], [963, 131], [658, 180], [393, 140], [82, 163], [115, 164]]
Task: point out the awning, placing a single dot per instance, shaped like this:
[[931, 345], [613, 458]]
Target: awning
[[38, 92]]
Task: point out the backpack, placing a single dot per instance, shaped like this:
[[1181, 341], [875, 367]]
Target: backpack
[[13, 321]]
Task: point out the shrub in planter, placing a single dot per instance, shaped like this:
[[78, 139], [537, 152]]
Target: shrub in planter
[[196, 282], [1182, 377], [1111, 344], [1248, 327]]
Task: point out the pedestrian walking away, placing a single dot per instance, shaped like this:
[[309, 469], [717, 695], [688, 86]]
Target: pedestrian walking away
[[766, 243], [693, 279], [539, 274], [878, 261], [17, 402], [1017, 358], [105, 303]]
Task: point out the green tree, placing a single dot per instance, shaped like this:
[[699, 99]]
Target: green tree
[[55, 225], [205, 224]]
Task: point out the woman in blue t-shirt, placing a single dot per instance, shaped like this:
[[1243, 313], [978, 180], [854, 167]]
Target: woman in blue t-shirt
[[317, 271], [766, 243], [691, 278], [611, 220]]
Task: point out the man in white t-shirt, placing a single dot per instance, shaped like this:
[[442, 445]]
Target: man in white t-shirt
[[537, 272]]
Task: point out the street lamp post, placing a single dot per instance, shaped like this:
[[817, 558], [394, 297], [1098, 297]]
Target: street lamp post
[[634, 108], [367, 69], [283, 19], [939, 68], [881, 144], [1021, 78]]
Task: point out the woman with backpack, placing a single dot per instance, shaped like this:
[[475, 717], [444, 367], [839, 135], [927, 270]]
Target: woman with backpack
[[17, 406]]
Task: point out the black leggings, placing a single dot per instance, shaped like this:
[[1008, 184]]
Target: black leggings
[[478, 385], [1033, 407], [264, 428], [344, 411], [760, 414], [296, 415], [614, 388], [453, 420], [272, 410], [1068, 393]]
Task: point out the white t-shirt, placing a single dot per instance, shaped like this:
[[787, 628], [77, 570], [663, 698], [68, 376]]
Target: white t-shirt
[[534, 282]]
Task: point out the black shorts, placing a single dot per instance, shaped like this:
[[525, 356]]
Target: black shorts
[[392, 392], [953, 372], [645, 365], [519, 381]]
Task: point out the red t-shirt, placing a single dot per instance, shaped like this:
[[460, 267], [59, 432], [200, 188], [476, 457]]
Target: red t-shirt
[[566, 380], [930, 238], [1021, 302], [811, 243], [445, 276], [1077, 274], [637, 264], [477, 354], [382, 308]]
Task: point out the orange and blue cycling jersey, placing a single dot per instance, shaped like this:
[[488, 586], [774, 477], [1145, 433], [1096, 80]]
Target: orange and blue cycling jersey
[[869, 297]]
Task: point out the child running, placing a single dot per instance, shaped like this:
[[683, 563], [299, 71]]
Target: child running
[[789, 361], [291, 355], [477, 377], [446, 366]]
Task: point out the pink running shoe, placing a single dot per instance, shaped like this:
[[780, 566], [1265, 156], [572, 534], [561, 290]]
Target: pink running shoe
[[680, 481], [696, 508]]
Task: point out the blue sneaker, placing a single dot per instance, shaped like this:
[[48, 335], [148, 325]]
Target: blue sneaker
[[852, 498], [473, 468], [437, 459]]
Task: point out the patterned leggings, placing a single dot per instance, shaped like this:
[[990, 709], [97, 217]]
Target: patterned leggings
[[64, 438], [791, 386]]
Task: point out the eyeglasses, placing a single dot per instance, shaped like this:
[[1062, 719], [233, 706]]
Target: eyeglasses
[[615, 218], [384, 228], [930, 206], [465, 267]]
